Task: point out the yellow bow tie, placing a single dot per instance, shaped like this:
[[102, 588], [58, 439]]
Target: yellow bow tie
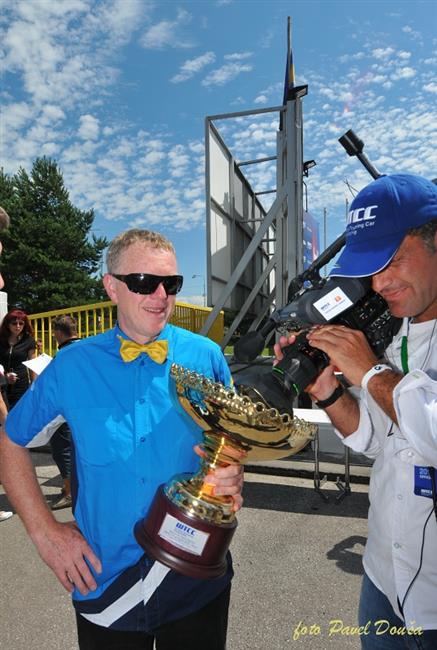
[[157, 350]]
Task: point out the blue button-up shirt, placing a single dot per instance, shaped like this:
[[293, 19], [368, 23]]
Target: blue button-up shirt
[[129, 435]]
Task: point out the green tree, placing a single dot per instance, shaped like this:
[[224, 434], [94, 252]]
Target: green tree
[[50, 257]]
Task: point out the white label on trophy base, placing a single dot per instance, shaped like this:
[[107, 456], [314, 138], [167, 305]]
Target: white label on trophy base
[[333, 303], [184, 537]]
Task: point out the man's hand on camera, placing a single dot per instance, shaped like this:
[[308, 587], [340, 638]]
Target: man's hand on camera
[[326, 382], [347, 349], [282, 343]]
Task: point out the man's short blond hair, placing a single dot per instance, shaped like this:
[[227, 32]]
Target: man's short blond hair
[[134, 236]]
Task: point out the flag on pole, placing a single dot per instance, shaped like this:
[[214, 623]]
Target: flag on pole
[[289, 76]]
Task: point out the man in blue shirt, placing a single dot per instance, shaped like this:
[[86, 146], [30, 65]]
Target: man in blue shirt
[[128, 437]]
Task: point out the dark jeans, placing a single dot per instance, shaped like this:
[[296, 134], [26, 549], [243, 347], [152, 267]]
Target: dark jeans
[[60, 447], [205, 629], [375, 606]]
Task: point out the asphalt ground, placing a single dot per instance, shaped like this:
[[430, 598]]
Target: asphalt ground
[[297, 565]]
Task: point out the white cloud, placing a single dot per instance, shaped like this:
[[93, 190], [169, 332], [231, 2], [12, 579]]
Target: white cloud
[[153, 157], [193, 193], [238, 56], [192, 66], [149, 165], [431, 87], [116, 167], [260, 99], [53, 113], [228, 72], [178, 160], [411, 32], [89, 127], [16, 116], [383, 53], [328, 92], [167, 33], [357, 56], [34, 10], [379, 79], [197, 148], [403, 73], [124, 148], [145, 181], [54, 57], [120, 18], [273, 91], [78, 152], [238, 101], [156, 143]]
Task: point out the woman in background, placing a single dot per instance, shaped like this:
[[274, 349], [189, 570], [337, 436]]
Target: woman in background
[[16, 345]]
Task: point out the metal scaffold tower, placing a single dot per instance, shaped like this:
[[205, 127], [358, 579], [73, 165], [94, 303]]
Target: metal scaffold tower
[[252, 253]]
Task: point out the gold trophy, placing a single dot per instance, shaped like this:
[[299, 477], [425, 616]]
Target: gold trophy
[[188, 528]]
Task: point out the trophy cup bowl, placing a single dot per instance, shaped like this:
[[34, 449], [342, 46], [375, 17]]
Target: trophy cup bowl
[[187, 527]]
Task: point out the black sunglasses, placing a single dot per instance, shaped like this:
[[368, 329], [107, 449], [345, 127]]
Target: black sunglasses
[[146, 283]]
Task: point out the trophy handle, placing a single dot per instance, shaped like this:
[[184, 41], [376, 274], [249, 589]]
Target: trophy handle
[[221, 450]]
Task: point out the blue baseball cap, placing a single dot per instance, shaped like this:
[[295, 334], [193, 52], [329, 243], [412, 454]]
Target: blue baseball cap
[[379, 218]]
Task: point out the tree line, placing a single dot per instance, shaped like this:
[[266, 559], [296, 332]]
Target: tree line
[[50, 258]]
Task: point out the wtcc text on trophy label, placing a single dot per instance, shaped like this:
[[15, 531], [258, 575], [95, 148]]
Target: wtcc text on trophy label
[[337, 627]]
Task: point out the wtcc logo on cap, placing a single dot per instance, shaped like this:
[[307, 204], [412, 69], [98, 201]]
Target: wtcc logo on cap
[[360, 215]]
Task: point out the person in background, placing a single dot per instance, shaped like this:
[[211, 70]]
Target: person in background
[[65, 332], [4, 223], [128, 436], [16, 345]]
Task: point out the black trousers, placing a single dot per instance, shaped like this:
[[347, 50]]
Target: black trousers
[[205, 628], [61, 449]]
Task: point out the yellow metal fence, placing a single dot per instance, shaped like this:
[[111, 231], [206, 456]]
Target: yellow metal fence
[[97, 318]]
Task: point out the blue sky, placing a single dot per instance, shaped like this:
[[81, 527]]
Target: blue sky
[[117, 91]]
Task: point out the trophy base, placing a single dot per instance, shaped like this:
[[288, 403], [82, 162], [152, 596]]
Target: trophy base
[[187, 544]]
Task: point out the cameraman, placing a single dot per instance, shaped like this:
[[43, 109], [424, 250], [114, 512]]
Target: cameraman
[[392, 236]]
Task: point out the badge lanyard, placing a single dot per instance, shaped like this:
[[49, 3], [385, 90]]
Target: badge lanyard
[[404, 346]]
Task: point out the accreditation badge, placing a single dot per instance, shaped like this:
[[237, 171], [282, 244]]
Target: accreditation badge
[[422, 481]]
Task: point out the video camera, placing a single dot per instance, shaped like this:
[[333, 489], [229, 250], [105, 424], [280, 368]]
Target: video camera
[[314, 300]]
